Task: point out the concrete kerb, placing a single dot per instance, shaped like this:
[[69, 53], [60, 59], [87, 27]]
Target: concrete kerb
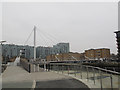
[[81, 80]]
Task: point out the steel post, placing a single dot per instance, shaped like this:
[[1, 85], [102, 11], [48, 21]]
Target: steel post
[[111, 80], [87, 74], [93, 74], [100, 72], [118, 82], [62, 69], [81, 71]]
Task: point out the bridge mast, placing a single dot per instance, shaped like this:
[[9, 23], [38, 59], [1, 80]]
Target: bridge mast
[[34, 43]]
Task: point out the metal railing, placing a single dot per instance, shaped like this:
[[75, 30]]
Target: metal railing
[[102, 78]]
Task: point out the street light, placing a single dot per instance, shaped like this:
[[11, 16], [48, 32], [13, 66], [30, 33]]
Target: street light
[[2, 41]]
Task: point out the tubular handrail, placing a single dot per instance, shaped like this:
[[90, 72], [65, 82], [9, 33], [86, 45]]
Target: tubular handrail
[[109, 71]]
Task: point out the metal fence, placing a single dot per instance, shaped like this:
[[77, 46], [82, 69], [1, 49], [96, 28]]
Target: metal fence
[[102, 78], [29, 66]]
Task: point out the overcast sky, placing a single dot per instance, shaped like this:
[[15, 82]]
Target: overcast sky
[[84, 25]]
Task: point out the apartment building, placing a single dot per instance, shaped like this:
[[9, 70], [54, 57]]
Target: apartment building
[[101, 53], [60, 48], [12, 50]]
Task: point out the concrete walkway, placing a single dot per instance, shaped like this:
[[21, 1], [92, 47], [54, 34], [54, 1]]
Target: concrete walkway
[[17, 77]]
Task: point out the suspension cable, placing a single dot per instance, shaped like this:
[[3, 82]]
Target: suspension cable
[[28, 38], [47, 37], [43, 39]]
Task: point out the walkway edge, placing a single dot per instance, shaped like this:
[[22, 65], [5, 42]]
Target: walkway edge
[[83, 81]]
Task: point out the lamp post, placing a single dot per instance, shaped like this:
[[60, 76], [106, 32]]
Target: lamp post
[[1, 54], [5, 56], [1, 42]]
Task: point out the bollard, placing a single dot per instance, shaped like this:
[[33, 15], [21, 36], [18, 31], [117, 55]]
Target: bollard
[[93, 74], [111, 80]]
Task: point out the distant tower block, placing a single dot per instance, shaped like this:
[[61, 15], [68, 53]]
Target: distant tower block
[[118, 32]]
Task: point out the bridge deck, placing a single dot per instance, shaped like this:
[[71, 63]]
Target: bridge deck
[[17, 77]]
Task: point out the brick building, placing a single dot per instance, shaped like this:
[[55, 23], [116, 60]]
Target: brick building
[[102, 53]]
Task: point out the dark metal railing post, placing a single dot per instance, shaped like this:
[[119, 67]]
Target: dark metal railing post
[[93, 74], [62, 69], [106, 70], [100, 72], [118, 82], [68, 69], [81, 70], [53, 67], [87, 74], [29, 68], [57, 68], [111, 80], [74, 70], [50, 67]]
